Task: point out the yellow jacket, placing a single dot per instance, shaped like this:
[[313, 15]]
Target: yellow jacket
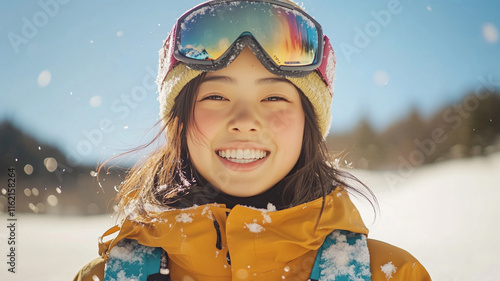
[[262, 244]]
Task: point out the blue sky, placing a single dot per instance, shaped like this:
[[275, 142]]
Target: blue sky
[[79, 74]]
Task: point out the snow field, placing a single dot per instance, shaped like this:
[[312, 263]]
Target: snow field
[[446, 215]]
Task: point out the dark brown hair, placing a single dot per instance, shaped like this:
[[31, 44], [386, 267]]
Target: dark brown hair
[[167, 172]]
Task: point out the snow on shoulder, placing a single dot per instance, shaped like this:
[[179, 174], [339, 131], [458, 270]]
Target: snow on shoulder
[[255, 227], [184, 217], [388, 269]]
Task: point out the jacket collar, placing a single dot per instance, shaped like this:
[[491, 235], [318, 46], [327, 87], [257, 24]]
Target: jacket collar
[[258, 240]]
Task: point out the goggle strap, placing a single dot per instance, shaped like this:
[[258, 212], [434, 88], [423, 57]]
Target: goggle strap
[[166, 58], [328, 63]]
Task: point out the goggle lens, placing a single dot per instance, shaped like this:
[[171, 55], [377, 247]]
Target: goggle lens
[[287, 36]]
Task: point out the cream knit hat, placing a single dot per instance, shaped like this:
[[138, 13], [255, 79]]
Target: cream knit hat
[[173, 76]]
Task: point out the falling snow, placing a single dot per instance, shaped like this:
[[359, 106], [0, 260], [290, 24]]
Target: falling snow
[[381, 78], [490, 33], [95, 101], [44, 78]]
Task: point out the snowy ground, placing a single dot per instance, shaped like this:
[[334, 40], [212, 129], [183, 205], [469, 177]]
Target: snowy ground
[[447, 215]]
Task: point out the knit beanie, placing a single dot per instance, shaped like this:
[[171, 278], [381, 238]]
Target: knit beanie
[[173, 76]]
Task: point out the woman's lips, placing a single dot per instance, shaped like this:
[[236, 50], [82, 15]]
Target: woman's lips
[[242, 156], [242, 159]]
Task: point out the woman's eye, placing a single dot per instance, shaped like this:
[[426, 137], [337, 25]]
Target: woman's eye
[[275, 98], [214, 97]]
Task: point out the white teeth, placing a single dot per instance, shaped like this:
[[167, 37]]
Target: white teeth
[[239, 154], [247, 154], [242, 161], [242, 156]]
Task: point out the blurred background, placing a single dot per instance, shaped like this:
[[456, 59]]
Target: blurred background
[[416, 107]]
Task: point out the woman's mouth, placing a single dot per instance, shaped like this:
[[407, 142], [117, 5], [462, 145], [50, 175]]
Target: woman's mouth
[[242, 156]]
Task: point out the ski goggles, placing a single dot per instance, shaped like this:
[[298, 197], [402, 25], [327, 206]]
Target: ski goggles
[[287, 41]]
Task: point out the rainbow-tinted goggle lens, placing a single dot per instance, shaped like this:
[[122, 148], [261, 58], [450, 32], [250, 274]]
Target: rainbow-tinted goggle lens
[[286, 40]]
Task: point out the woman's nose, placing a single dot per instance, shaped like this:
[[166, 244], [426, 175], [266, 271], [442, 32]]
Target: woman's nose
[[244, 120]]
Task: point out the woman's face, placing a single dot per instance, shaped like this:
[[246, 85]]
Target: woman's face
[[246, 134]]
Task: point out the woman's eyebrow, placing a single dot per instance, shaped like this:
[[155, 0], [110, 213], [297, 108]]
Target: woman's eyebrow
[[273, 80], [221, 78]]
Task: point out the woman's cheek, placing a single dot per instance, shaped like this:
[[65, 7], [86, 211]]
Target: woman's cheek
[[283, 120], [205, 120]]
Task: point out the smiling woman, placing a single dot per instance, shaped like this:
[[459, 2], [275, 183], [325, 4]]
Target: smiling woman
[[234, 107], [243, 188]]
